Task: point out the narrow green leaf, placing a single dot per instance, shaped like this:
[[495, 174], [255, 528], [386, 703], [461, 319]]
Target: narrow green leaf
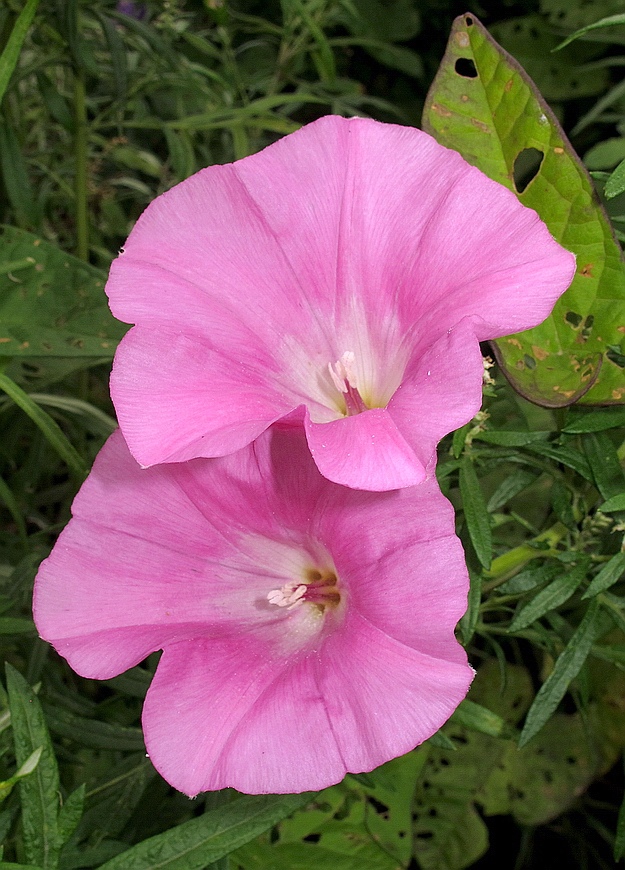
[[70, 814], [11, 52], [92, 732], [493, 118], [596, 421], [512, 485], [475, 513], [16, 179], [198, 842], [566, 455], [10, 865], [552, 596], [610, 21], [478, 718], [616, 503], [604, 463], [39, 792], [609, 574], [16, 625], [49, 427], [511, 439], [472, 614], [619, 840], [616, 182], [566, 668], [6, 494]]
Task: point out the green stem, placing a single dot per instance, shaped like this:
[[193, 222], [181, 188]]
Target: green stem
[[504, 566], [80, 153]]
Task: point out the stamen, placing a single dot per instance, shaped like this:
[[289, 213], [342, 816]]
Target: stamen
[[288, 596], [344, 379], [319, 589]]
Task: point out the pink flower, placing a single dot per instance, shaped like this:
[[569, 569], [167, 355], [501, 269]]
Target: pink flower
[[307, 628], [343, 276]]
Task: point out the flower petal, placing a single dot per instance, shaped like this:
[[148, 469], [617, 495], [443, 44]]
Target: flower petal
[[174, 412], [383, 697], [441, 391], [225, 713], [365, 451]]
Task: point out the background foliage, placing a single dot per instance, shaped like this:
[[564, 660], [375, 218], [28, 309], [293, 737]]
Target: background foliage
[[106, 105]]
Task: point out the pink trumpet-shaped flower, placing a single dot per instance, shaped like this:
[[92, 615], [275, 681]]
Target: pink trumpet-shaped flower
[[343, 276], [307, 628]]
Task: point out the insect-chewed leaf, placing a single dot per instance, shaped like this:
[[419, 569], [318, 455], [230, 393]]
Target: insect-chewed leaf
[[53, 305], [485, 106]]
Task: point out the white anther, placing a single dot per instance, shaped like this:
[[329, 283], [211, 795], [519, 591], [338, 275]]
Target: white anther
[[288, 596]]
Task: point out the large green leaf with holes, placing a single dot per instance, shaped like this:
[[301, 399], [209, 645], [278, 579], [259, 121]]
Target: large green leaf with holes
[[52, 305], [483, 105]]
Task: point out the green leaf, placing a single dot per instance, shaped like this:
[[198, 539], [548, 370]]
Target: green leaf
[[619, 840], [604, 464], [511, 439], [475, 513], [616, 503], [11, 52], [478, 718], [92, 732], [49, 428], [551, 597], [16, 625], [39, 791], [596, 421], [512, 485], [609, 574], [198, 842], [566, 668], [51, 303], [616, 182], [610, 21], [70, 814], [494, 118]]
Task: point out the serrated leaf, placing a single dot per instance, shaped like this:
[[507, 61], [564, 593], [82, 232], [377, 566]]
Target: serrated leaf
[[491, 117], [51, 303], [39, 792], [198, 842], [551, 597], [475, 513], [566, 668]]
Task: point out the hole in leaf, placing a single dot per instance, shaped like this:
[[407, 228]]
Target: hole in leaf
[[573, 318], [588, 323], [378, 806], [526, 167], [312, 838], [468, 21], [614, 354], [466, 68]]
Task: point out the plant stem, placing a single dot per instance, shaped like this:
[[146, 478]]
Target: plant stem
[[80, 153]]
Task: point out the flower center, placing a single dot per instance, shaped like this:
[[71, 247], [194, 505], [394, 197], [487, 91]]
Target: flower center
[[344, 379], [317, 588]]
